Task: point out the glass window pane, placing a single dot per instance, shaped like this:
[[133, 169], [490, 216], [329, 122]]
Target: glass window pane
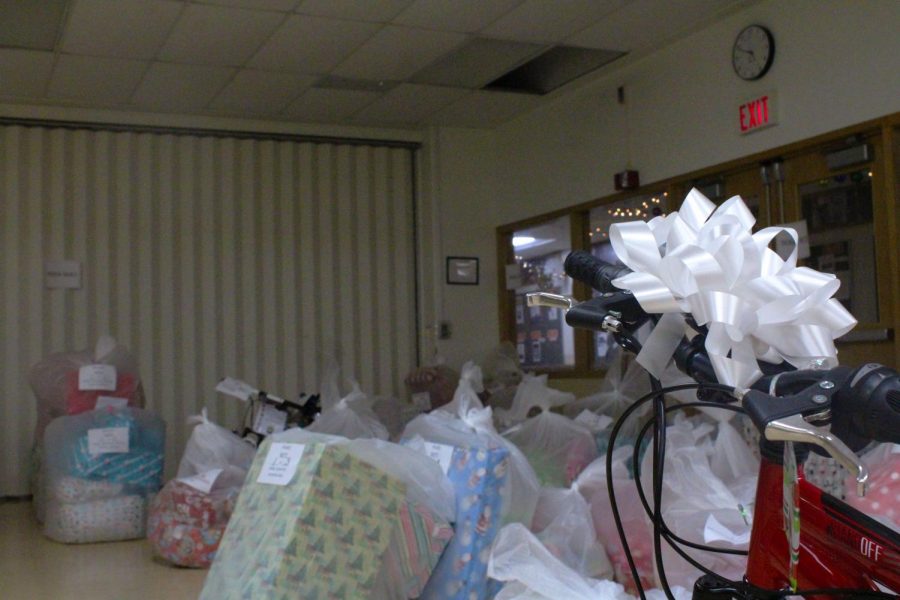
[[543, 339], [838, 213], [642, 208]]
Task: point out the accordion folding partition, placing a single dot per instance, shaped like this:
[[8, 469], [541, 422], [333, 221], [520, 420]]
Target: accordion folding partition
[[206, 255]]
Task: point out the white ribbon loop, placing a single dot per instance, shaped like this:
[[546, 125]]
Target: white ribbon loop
[[756, 304]]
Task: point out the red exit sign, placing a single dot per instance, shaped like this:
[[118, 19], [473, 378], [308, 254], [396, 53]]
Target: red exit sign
[[757, 113]]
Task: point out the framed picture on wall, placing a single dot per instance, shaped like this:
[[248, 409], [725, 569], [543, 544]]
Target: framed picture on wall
[[462, 270]]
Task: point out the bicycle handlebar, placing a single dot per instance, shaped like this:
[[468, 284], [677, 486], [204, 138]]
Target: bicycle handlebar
[[864, 402], [584, 267]]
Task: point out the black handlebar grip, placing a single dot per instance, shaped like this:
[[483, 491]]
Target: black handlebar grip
[[586, 268], [869, 409]]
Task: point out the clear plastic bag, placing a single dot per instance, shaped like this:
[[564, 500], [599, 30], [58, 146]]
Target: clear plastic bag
[[470, 425], [99, 468], [563, 523], [55, 382], [531, 571], [466, 394], [356, 518], [211, 447], [619, 389], [708, 493], [557, 447], [502, 375], [592, 485], [394, 414], [533, 394], [349, 416], [493, 483]]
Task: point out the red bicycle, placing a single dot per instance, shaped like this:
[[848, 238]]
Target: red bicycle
[[838, 551]]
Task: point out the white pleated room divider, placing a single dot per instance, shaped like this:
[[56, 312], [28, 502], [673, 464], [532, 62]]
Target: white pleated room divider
[[206, 255]]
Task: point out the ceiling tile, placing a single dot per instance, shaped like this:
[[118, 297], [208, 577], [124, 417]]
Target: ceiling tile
[[119, 28], [214, 35], [549, 21], [305, 44], [282, 5], [483, 109], [478, 62], [467, 16], [396, 53], [329, 106], [31, 24], [646, 23], [24, 73], [409, 104], [99, 80], [260, 92], [180, 87], [376, 11]]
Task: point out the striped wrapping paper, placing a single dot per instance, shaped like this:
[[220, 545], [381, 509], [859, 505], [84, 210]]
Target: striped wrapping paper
[[415, 548]]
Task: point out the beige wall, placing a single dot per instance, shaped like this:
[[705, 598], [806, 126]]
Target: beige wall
[[836, 64]]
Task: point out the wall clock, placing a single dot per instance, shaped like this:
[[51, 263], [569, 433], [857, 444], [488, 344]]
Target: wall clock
[[753, 52]]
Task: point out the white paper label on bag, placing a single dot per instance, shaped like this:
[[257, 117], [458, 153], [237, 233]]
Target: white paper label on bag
[[97, 377], [236, 388], [422, 401], [202, 481], [440, 453], [281, 463], [111, 402], [895, 449], [107, 440], [269, 420]]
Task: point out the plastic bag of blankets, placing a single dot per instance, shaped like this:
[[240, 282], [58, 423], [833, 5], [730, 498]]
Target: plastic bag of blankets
[[100, 467]]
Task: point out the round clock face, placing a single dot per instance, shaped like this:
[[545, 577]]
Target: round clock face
[[753, 52]]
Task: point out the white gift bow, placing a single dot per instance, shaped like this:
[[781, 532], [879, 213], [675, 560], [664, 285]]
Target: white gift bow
[[705, 261]]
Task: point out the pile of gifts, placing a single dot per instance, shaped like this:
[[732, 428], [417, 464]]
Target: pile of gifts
[[98, 456], [451, 509]]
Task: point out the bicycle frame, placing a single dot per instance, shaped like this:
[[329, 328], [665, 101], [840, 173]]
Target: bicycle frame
[[840, 547]]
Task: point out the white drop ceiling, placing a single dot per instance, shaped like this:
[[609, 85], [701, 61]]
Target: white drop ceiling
[[397, 63]]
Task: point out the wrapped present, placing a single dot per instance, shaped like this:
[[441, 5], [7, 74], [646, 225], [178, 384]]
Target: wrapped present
[[417, 546], [79, 400], [186, 524], [315, 520], [139, 466], [107, 520], [478, 474], [189, 515]]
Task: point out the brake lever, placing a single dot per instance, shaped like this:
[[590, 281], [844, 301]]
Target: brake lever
[[795, 428], [549, 300]]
